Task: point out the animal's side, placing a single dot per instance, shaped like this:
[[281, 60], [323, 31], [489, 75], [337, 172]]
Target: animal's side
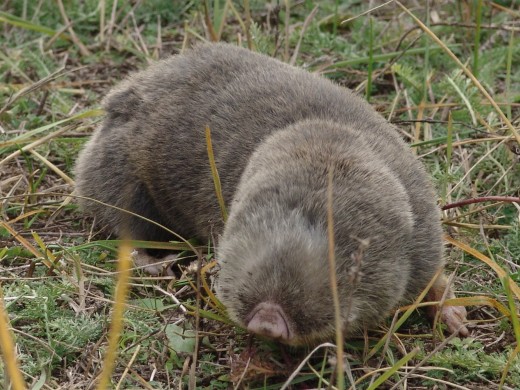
[[277, 132]]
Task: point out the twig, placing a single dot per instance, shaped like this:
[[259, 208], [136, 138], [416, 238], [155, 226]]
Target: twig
[[366, 12], [237, 386], [111, 25], [127, 368], [482, 199], [306, 23], [82, 48]]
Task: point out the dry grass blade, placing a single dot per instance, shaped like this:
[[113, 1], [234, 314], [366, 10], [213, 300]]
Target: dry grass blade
[[306, 23], [8, 350], [366, 12], [248, 22], [26, 137], [492, 264], [25, 215], [57, 170], [303, 362], [48, 254], [38, 84], [512, 309], [478, 226], [287, 24], [479, 300], [38, 142], [333, 281], [26, 244], [214, 173], [466, 71], [215, 302], [447, 384], [474, 166], [82, 48], [127, 368], [190, 245], [121, 294]]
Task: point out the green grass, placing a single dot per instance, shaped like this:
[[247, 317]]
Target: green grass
[[61, 315]]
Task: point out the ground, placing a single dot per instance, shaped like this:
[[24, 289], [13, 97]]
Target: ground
[[57, 267]]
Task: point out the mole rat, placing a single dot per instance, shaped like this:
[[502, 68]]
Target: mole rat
[[277, 131]]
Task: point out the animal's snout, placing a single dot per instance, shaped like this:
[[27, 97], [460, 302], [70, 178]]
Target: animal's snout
[[268, 319]]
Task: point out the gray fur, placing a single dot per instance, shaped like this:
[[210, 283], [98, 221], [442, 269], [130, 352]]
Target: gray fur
[[276, 131]]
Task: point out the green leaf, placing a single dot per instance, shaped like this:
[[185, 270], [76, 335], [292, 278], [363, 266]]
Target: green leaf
[[179, 339]]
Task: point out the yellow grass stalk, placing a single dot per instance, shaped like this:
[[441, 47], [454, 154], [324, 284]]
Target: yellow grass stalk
[[340, 378], [214, 173], [7, 349], [516, 328], [124, 266], [219, 306]]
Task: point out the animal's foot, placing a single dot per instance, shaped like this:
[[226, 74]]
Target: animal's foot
[[453, 316], [152, 265]]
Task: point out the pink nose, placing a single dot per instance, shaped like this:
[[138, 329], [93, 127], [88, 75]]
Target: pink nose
[[269, 320]]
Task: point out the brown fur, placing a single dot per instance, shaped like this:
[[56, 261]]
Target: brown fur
[[276, 131]]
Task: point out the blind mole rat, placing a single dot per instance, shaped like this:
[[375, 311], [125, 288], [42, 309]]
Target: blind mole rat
[[276, 132]]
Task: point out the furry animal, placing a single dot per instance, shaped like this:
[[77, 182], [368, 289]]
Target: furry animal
[[277, 132]]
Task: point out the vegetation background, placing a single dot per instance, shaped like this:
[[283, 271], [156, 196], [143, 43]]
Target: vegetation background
[[58, 58]]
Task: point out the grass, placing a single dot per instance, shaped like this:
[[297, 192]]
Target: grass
[[58, 272]]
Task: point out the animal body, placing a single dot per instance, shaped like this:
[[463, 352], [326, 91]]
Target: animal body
[[277, 132]]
